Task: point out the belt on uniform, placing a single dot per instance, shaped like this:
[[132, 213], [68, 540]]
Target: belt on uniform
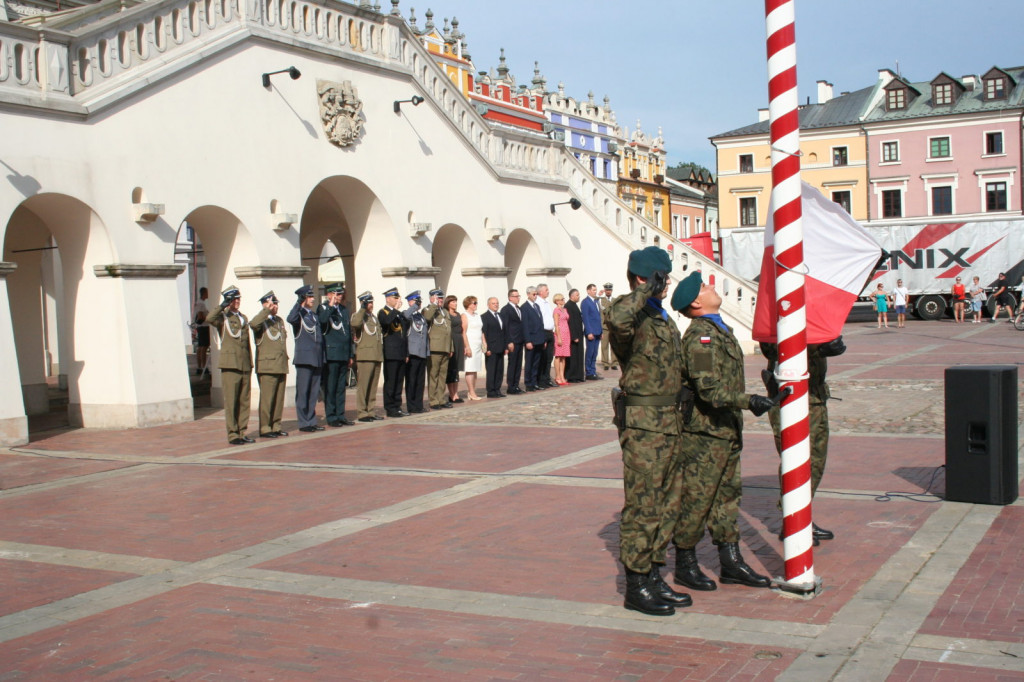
[[651, 400]]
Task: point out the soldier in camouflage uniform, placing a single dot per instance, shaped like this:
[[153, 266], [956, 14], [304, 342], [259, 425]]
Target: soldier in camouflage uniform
[[817, 399], [646, 343], [713, 367]]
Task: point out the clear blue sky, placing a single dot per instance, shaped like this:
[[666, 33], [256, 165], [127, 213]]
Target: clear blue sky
[[698, 68]]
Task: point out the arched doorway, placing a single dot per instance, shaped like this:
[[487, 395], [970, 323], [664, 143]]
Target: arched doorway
[[452, 252], [55, 299], [521, 254]]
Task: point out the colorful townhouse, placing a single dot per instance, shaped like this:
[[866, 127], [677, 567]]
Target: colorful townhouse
[[945, 147], [833, 159], [642, 177], [895, 151], [589, 131]]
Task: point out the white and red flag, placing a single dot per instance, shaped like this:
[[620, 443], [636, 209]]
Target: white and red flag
[[839, 256]]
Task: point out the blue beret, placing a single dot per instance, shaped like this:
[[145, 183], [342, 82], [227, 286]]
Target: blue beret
[[413, 295], [686, 291], [304, 292], [644, 262], [231, 293]]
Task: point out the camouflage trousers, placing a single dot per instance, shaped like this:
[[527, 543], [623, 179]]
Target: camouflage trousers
[[652, 484], [818, 416], [712, 488]]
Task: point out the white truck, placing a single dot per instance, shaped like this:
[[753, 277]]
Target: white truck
[[926, 256]]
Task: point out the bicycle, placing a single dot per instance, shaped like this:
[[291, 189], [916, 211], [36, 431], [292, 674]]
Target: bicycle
[[1018, 320]]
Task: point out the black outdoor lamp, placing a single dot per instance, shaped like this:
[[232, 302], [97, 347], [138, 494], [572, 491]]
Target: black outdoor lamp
[[574, 203], [291, 71], [415, 100]]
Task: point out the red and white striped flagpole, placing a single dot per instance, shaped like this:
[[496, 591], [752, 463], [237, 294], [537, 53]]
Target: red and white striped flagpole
[[789, 295]]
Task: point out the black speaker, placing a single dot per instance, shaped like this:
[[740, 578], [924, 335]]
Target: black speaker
[[981, 434]]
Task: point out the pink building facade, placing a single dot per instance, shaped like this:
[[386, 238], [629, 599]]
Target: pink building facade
[[948, 149]]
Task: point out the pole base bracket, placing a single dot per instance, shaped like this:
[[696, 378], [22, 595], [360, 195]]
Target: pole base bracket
[[797, 590]]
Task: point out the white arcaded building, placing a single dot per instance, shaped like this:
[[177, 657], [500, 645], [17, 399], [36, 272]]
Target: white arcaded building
[[123, 121]]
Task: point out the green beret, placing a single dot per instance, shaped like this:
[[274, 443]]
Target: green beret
[[686, 291], [643, 262]]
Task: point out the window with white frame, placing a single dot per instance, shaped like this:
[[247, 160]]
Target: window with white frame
[[938, 148], [746, 163], [840, 156], [995, 196], [892, 203], [890, 152], [748, 212], [843, 198], [942, 200], [994, 143]]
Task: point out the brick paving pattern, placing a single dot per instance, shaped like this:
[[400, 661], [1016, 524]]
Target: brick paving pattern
[[481, 543]]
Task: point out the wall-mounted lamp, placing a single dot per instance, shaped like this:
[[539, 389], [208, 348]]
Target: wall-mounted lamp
[[291, 71], [574, 203], [415, 100]]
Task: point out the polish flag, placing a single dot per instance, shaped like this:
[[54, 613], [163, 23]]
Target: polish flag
[[839, 257]]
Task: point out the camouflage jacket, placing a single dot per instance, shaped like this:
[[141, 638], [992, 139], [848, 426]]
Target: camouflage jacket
[[817, 367], [713, 365], [647, 346]]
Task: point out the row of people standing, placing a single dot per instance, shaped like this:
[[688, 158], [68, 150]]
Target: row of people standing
[[323, 348]]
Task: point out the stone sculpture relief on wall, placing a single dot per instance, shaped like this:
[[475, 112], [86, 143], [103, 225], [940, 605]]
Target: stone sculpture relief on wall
[[340, 111]]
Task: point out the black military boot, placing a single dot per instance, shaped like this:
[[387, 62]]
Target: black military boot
[[821, 533], [641, 596], [735, 570], [665, 592], [688, 571]]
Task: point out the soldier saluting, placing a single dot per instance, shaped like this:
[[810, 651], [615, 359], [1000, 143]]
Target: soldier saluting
[[309, 357], [369, 352], [269, 333], [334, 319], [441, 348], [396, 352], [646, 342], [235, 363]]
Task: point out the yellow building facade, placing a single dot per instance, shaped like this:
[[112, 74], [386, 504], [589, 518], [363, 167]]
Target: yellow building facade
[[641, 181]]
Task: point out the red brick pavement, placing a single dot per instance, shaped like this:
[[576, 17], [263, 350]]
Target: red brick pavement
[[418, 446], [542, 541], [211, 632], [926, 671], [17, 471], [27, 584], [190, 513], [986, 599]]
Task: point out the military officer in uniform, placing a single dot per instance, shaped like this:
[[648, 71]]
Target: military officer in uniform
[[369, 352], [336, 323], [309, 357], [605, 302], [647, 411], [393, 326], [418, 343], [713, 368], [441, 349], [269, 333], [235, 363]]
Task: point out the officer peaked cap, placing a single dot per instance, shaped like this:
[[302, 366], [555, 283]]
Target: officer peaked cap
[[608, 286], [437, 292], [305, 292], [336, 288], [269, 296], [366, 296], [393, 291], [231, 293], [413, 295], [644, 262], [686, 291]]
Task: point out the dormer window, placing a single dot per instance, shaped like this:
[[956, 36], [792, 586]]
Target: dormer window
[[896, 99], [995, 88], [942, 94]]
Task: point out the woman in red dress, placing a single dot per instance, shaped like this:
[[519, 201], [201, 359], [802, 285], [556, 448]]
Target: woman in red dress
[[561, 330]]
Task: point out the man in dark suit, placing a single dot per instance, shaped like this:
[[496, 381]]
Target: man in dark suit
[[335, 320], [497, 349], [309, 357], [512, 319], [574, 369], [533, 338], [592, 330], [396, 351]]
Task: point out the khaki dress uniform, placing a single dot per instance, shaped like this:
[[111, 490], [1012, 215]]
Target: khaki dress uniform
[[369, 356], [235, 368], [441, 348], [607, 359], [271, 368]]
